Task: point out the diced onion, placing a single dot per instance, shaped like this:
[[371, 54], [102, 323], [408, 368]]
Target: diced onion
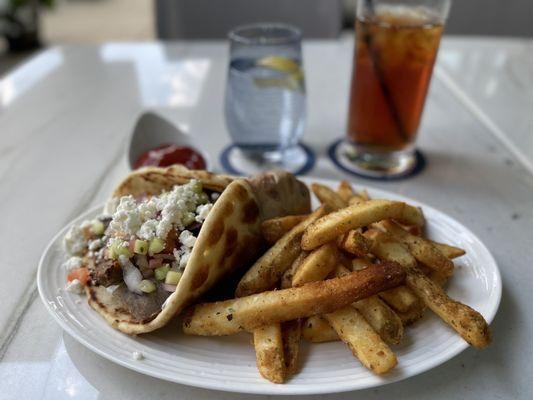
[[132, 276], [168, 287]]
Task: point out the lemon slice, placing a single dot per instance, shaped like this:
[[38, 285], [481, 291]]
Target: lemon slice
[[278, 63]]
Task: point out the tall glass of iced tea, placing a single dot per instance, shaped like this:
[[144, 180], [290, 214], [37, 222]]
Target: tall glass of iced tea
[[395, 49]]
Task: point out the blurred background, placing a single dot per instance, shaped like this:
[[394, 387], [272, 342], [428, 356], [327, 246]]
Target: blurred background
[[26, 26]]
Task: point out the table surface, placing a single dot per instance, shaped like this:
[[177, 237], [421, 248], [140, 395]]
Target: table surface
[[65, 120]]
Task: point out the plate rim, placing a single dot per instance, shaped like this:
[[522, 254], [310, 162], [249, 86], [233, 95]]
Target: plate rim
[[274, 389]]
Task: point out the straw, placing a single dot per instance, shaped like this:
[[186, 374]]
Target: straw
[[367, 37]]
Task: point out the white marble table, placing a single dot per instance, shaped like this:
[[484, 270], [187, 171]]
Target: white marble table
[[65, 118]]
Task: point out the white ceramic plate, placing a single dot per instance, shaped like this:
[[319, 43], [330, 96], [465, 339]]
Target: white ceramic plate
[[228, 363]]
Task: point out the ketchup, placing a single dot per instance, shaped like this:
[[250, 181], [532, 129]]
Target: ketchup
[[169, 154]]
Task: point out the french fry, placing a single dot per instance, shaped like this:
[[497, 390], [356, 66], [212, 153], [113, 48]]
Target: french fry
[[346, 192], [267, 271], [291, 332], [410, 317], [449, 251], [329, 227], [466, 321], [364, 195], [317, 330], [254, 311], [354, 242], [273, 229], [286, 279], [317, 265], [348, 323], [268, 344], [362, 340], [380, 317], [420, 248], [331, 199], [385, 247], [356, 200], [401, 299]]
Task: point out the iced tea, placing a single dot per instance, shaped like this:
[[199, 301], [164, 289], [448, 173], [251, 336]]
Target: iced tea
[[393, 61]]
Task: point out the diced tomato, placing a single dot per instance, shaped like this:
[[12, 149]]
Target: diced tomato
[[81, 274]]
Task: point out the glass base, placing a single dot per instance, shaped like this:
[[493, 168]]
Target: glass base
[[369, 163], [245, 161]]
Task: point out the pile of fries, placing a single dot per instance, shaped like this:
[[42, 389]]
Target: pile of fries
[[356, 269]]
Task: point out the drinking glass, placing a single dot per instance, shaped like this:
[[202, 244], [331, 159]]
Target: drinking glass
[[265, 96], [396, 43]]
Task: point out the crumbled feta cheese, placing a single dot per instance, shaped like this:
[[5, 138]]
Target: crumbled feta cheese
[[73, 263], [148, 229], [126, 219], [137, 355], [202, 210], [177, 255], [75, 241], [215, 196], [187, 238], [95, 244], [110, 206], [156, 216], [74, 286]]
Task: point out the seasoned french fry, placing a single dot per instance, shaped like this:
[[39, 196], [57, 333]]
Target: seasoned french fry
[[317, 265], [350, 325], [329, 227], [364, 195], [449, 251], [286, 279], [400, 299], [273, 229], [420, 248], [345, 191], [361, 262], [317, 330], [291, 332], [380, 317], [331, 199], [268, 344], [356, 200], [385, 247], [267, 271], [251, 312], [354, 242], [466, 321], [410, 317], [364, 342]]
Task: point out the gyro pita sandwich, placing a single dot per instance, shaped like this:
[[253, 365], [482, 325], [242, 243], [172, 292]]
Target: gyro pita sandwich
[[168, 235]]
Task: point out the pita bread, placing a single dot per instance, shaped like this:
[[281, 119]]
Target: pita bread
[[228, 239]]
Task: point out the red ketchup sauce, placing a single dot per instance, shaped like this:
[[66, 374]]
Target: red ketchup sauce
[[169, 154]]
